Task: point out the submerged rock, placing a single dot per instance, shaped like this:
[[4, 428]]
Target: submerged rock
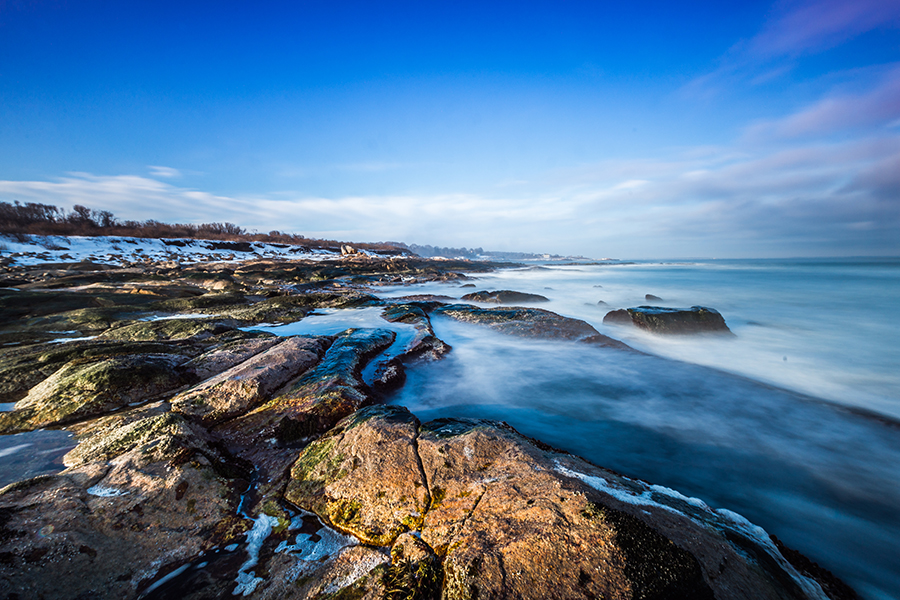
[[697, 319], [524, 322], [504, 297]]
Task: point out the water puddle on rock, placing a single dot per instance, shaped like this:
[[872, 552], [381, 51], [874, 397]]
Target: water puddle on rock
[[33, 453]]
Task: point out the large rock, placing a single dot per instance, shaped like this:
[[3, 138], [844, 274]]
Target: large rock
[[249, 383], [168, 329], [697, 319], [86, 389], [524, 322], [509, 517], [504, 297], [321, 397], [364, 476]]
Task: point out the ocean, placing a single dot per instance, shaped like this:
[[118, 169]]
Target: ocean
[[793, 423]]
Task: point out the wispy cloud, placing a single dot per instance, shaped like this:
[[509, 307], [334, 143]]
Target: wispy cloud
[[168, 172], [793, 31], [806, 27], [836, 112]]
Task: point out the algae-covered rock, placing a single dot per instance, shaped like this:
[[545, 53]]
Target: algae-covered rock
[[524, 322], [168, 329], [246, 385], [655, 319], [505, 297], [286, 309], [364, 476], [85, 389]]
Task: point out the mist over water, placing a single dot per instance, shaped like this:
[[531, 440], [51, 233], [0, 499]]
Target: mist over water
[[821, 477]]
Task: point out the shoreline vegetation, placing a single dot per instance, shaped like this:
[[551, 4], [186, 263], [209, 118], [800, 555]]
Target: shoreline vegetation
[[211, 460]]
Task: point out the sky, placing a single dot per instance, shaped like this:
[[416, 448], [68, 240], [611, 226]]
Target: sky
[[628, 129]]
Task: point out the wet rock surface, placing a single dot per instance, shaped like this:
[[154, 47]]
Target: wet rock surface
[[505, 297], [697, 319], [213, 462], [523, 322]]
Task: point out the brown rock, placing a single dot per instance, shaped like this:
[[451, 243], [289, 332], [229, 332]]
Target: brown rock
[[364, 476], [246, 385]]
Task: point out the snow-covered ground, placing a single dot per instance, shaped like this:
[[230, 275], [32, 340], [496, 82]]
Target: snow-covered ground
[[118, 250]]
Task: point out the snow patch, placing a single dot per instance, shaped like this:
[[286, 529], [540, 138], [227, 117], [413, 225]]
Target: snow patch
[[105, 492]]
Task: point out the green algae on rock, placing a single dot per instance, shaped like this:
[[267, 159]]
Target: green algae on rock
[[85, 389]]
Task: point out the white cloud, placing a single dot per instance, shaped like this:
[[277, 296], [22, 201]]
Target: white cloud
[[157, 171]]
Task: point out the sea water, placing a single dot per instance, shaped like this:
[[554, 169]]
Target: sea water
[[791, 423]]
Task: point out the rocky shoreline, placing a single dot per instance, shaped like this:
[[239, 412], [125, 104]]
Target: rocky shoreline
[[214, 461]]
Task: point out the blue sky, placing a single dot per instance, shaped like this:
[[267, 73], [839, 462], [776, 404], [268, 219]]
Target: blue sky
[[634, 130]]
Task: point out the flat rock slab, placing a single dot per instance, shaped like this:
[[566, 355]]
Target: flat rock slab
[[697, 319], [251, 382], [504, 297], [523, 322]]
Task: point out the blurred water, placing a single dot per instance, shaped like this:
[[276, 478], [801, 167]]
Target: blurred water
[[819, 474], [821, 327]]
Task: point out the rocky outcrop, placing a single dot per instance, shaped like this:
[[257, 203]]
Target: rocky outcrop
[[321, 397], [497, 515], [527, 322], [424, 344], [85, 389], [697, 319], [505, 297], [245, 386]]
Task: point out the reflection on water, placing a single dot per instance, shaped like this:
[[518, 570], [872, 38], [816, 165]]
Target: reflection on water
[[821, 478]]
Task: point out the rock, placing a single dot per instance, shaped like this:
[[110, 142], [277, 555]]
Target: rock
[[364, 476], [601, 303], [389, 376], [424, 345], [510, 517], [322, 397], [86, 389], [504, 297], [524, 322], [249, 383], [652, 298], [168, 329], [696, 319], [105, 529], [222, 357]]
